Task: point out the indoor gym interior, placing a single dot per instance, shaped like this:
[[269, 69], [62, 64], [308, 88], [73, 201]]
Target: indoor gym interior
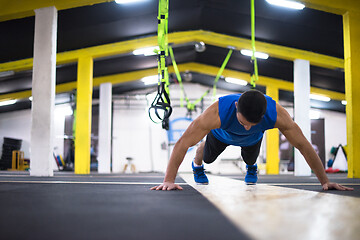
[[101, 189]]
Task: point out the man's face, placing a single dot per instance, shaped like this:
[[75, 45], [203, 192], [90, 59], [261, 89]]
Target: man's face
[[242, 120]]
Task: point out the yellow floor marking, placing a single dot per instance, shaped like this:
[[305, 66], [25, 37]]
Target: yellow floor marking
[[269, 212]]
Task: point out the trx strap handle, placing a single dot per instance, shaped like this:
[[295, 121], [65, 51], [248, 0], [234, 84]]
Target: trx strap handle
[[162, 99], [221, 71], [254, 76]]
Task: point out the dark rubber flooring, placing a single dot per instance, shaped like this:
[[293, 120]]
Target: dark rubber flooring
[[92, 208], [310, 183]]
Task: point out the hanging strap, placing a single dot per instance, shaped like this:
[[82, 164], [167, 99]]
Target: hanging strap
[[178, 76], [221, 71], [254, 76], [191, 106], [162, 99]]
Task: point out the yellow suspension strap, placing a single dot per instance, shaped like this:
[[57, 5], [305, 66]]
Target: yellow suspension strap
[[161, 104], [254, 76], [220, 72], [191, 106], [178, 76]]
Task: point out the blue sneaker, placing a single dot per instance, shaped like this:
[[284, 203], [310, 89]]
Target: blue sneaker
[[199, 174], [251, 175]]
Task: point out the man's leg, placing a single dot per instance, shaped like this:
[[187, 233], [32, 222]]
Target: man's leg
[[212, 148], [199, 154], [250, 155], [207, 151]]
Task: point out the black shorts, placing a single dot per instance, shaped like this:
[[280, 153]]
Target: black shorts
[[214, 147]]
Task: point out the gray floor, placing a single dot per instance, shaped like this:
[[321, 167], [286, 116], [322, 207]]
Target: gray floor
[[69, 206], [121, 206]]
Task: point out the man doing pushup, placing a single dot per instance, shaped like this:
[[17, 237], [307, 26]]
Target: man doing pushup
[[240, 120]]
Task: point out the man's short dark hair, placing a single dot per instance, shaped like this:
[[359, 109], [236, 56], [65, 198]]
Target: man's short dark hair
[[252, 105]]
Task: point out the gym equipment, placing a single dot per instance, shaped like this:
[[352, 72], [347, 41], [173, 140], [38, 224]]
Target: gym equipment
[[161, 105], [18, 161], [162, 99], [130, 165], [254, 76], [9, 145]]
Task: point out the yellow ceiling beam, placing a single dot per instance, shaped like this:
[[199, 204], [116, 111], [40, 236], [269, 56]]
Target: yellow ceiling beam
[[13, 9], [273, 50], [16, 95], [263, 81], [210, 38], [192, 67], [333, 6]]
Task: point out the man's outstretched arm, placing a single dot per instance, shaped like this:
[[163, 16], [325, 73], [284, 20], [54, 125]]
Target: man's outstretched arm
[[196, 131], [295, 136]]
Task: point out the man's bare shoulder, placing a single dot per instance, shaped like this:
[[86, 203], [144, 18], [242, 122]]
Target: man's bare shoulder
[[210, 117], [283, 120]]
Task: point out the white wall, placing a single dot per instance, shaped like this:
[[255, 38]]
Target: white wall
[[335, 128], [134, 135], [128, 143], [18, 125]]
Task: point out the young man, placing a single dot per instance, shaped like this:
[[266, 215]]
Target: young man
[[240, 120]]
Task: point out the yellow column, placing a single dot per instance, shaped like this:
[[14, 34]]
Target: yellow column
[[83, 115], [351, 22], [272, 139]]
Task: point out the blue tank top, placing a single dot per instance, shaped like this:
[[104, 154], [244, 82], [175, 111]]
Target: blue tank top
[[232, 132]]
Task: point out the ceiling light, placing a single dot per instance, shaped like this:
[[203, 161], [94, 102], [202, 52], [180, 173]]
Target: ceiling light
[[7, 102], [257, 54], [127, 1], [236, 81], [63, 110], [150, 80], [149, 51], [287, 4], [320, 98], [7, 73], [343, 102]]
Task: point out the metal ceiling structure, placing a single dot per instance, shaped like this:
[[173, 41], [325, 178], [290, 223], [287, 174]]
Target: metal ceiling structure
[[283, 33]]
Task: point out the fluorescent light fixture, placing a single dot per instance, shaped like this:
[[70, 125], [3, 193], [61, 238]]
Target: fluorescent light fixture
[[287, 4], [314, 114], [63, 110], [127, 1], [150, 80], [343, 102], [7, 102], [149, 51], [257, 54], [320, 98], [7, 73], [236, 81]]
